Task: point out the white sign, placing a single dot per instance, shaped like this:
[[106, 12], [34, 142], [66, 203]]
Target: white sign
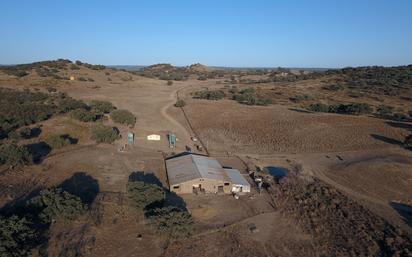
[[153, 137]]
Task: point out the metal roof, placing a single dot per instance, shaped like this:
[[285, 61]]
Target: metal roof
[[236, 178], [188, 167]]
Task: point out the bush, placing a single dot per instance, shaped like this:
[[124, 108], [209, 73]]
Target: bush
[[384, 110], [318, 107], [54, 203], [102, 106], [68, 104], [169, 82], [58, 141], [408, 142], [180, 103], [142, 194], [210, 94], [84, 115], [17, 237], [23, 133], [399, 117], [123, 117], [171, 220], [104, 134], [74, 67], [13, 154], [299, 98], [81, 79]]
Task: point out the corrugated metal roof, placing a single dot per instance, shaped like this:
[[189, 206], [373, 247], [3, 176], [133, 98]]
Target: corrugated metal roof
[[189, 167], [236, 178]]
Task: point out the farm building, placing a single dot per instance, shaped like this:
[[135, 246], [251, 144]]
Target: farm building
[[239, 183], [192, 173]]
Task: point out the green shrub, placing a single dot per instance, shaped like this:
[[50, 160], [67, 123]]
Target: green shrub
[[318, 107], [68, 104], [408, 142], [171, 220], [210, 94], [180, 103], [384, 110], [84, 115], [123, 117], [299, 98], [169, 82], [17, 237], [18, 73], [399, 117], [142, 194], [104, 134], [54, 203], [51, 89], [58, 141], [74, 67], [13, 154], [102, 106], [23, 133]]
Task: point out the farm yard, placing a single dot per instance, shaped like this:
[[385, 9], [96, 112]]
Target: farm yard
[[358, 159]]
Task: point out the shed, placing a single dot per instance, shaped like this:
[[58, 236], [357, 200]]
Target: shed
[[192, 173], [153, 137], [239, 183]]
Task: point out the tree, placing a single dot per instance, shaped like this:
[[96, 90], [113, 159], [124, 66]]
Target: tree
[[173, 221], [102, 106], [84, 115], [104, 134], [54, 203], [17, 237], [123, 117], [143, 194], [319, 107], [13, 154], [58, 141], [180, 103]]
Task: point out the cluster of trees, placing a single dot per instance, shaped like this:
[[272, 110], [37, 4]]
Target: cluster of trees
[[13, 154], [165, 219], [331, 218], [21, 108], [26, 227], [375, 79], [248, 96], [382, 111], [209, 94], [356, 108]]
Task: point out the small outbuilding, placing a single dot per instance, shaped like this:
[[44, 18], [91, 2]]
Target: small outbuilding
[[153, 137], [239, 183]]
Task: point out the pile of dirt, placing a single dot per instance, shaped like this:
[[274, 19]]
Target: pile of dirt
[[339, 225]]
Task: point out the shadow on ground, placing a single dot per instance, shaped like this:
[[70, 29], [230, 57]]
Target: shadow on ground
[[171, 198], [402, 125], [387, 140], [404, 210], [39, 151], [299, 110], [83, 186]]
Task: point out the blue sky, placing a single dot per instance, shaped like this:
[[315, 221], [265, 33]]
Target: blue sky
[[259, 33]]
